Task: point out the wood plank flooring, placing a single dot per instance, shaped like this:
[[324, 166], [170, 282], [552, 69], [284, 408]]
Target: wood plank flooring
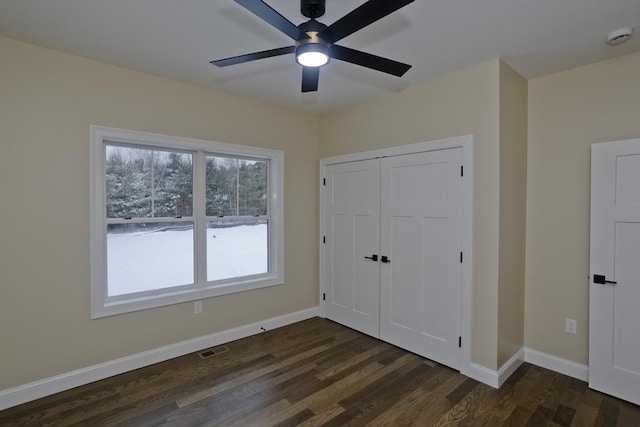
[[319, 373]]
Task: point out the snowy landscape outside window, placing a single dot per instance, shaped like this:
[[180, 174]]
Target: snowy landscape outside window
[[176, 220]]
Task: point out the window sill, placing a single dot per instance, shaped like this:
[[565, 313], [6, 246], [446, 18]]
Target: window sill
[[132, 303]]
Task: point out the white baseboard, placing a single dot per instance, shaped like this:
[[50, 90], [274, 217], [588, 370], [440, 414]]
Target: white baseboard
[[538, 358], [493, 378], [480, 373], [48, 386], [510, 367], [557, 364]]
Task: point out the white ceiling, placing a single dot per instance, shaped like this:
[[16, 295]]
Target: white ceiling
[[177, 39]]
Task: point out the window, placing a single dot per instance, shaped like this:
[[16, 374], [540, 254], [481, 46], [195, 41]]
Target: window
[[176, 220]]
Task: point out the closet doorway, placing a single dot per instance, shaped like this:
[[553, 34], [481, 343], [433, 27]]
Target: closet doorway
[[394, 239]]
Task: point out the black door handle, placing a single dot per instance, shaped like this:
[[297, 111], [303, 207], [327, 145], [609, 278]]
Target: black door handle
[[602, 280], [384, 259], [373, 257]]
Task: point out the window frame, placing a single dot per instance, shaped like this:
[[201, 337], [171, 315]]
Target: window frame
[[101, 304]]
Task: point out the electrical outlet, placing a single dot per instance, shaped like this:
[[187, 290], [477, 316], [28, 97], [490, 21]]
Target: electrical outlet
[[197, 307], [570, 326]]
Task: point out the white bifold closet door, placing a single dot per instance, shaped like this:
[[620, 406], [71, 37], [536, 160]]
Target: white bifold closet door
[[393, 250]]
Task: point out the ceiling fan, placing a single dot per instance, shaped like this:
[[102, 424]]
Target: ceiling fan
[[315, 42]]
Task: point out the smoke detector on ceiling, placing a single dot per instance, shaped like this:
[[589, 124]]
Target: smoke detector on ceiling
[[614, 38]]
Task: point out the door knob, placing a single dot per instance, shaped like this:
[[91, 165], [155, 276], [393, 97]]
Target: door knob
[[602, 280], [373, 257], [384, 259]]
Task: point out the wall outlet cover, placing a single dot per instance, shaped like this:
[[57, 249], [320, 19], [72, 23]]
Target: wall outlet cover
[[570, 326]]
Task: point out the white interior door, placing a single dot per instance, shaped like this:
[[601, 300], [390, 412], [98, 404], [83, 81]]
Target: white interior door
[[421, 234], [352, 227], [614, 298]]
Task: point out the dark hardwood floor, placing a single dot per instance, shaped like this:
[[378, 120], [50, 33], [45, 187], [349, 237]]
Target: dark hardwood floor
[[317, 372]]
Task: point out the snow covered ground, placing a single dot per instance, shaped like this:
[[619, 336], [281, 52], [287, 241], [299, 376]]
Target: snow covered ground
[[144, 261]]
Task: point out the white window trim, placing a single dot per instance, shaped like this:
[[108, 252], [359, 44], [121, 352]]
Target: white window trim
[[101, 305]]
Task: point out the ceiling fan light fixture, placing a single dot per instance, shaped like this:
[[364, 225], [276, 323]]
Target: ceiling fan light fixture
[[312, 55]]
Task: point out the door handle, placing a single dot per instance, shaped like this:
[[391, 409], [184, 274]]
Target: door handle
[[373, 257], [384, 259], [602, 280]]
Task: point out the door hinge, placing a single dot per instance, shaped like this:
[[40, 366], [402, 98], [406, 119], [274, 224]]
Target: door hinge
[[461, 170], [324, 296], [459, 342], [324, 181], [460, 256], [324, 239]]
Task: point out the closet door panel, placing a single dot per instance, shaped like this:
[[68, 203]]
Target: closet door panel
[[404, 271], [433, 321]]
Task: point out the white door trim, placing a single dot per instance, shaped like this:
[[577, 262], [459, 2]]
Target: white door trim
[[464, 142]]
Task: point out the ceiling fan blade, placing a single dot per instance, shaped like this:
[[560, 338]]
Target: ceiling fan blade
[[310, 77], [360, 17], [368, 60], [253, 56], [268, 14]]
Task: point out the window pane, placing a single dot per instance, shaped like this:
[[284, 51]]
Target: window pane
[[236, 187], [222, 183], [252, 191], [128, 182], [143, 183], [173, 184], [237, 248], [148, 256]]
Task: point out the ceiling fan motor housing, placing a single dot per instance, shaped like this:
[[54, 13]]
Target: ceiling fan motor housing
[[311, 28], [312, 8]]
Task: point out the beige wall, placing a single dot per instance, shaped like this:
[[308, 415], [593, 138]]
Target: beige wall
[[569, 111], [47, 102], [513, 195], [461, 103]]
